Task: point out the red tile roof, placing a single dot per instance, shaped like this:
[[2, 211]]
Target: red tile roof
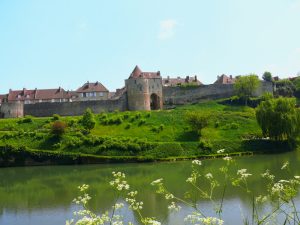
[[38, 94], [224, 79], [92, 87], [178, 81], [137, 73]]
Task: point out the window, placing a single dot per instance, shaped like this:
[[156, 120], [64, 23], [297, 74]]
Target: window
[[101, 94]]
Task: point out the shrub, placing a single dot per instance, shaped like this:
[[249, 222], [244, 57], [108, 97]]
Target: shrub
[[197, 121], [127, 126], [126, 116], [26, 119], [161, 127], [58, 128], [141, 122], [217, 124], [55, 117], [205, 145], [88, 120], [72, 123]]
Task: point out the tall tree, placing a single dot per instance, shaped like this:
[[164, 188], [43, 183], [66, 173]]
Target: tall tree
[[279, 119], [88, 120], [246, 85], [267, 76]]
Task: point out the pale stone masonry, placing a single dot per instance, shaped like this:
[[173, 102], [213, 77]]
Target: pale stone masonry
[[142, 91]]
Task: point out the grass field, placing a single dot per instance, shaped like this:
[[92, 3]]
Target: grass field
[[156, 134]]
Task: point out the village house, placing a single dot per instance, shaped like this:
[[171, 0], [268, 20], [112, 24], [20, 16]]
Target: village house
[[92, 91], [173, 82], [224, 79], [39, 95]]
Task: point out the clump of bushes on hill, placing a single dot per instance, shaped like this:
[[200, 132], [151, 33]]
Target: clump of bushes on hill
[[197, 121], [55, 117], [58, 128], [26, 119], [88, 120], [157, 129]]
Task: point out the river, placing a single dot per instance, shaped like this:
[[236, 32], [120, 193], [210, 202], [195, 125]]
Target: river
[[43, 195]]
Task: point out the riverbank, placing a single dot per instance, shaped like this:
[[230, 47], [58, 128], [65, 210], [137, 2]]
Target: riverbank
[[134, 137]]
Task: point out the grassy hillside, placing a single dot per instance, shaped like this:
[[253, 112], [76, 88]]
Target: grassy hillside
[[156, 134]]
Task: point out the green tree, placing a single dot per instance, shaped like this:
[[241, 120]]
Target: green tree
[[197, 121], [285, 88], [296, 83], [245, 86], [279, 119], [88, 120], [267, 76]]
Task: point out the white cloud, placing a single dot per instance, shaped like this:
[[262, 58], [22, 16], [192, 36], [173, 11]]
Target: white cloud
[[167, 29]]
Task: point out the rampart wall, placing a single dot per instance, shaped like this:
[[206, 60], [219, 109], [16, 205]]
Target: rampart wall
[[75, 108], [184, 95]]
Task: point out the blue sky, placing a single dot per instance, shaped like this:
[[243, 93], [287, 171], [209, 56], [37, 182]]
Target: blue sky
[[52, 43]]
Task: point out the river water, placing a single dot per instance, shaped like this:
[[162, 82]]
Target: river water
[[43, 195]]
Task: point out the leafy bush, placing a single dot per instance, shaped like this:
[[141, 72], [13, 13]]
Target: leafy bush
[[26, 119], [55, 117], [58, 128], [205, 145], [128, 126], [88, 120], [197, 121], [141, 122]]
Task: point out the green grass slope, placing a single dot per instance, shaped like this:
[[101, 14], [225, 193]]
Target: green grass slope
[[153, 135]]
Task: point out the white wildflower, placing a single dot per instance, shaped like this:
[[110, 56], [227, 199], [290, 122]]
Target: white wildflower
[[156, 182], [209, 176], [221, 151], [197, 162], [285, 165], [174, 207]]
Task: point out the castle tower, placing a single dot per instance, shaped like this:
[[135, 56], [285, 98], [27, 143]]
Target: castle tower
[[144, 90]]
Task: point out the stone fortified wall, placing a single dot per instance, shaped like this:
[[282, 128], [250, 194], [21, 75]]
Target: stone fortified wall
[[171, 96], [184, 95], [11, 110], [75, 108]]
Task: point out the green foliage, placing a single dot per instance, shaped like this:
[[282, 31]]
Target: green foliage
[[88, 120], [55, 117], [279, 119], [246, 85], [267, 76], [197, 121], [26, 119], [58, 128], [205, 145], [285, 88], [296, 83], [142, 122]]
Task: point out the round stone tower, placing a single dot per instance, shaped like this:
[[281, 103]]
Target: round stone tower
[[12, 109], [144, 90]]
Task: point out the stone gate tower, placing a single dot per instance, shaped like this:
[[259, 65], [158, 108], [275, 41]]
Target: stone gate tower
[[144, 90]]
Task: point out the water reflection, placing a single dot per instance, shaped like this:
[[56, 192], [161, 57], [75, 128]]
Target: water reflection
[[29, 194]]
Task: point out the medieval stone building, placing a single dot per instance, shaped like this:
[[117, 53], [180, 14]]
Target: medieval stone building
[[144, 90]]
